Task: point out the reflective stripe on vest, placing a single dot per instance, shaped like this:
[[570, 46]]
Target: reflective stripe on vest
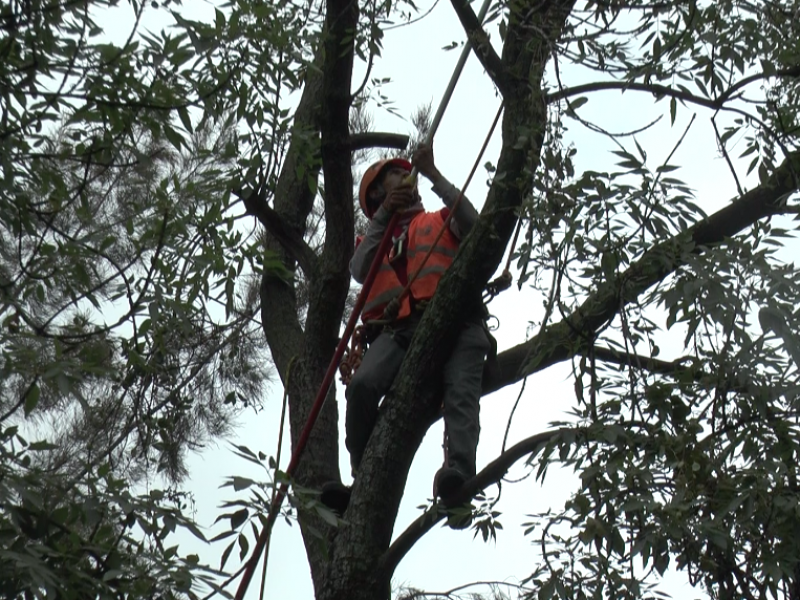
[[386, 287], [422, 233], [381, 300], [439, 249]]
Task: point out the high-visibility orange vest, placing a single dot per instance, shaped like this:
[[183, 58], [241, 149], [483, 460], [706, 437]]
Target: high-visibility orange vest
[[422, 231], [426, 228]]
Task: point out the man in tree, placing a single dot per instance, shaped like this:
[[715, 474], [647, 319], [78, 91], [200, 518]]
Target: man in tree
[[385, 189]]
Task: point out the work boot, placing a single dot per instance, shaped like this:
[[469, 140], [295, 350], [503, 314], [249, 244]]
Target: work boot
[[336, 496], [446, 483]]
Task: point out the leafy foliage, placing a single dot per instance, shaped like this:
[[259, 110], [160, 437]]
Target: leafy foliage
[[127, 338], [88, 536], [130, 296]]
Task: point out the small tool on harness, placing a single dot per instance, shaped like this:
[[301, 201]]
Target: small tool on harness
[[499, 284], [353, 356]]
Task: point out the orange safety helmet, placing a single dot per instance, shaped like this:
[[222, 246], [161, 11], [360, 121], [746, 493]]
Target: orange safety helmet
[[372, 173]]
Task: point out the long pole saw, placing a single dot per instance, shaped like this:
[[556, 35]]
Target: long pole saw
[[319, 401], [448, 93]]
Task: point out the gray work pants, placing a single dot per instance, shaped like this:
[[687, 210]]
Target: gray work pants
[[461, 384]]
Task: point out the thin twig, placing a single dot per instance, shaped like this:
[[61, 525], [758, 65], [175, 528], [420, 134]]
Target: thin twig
[[724, 151]]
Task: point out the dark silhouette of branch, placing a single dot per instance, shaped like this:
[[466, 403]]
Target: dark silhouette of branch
[[256, 204], [450, 593], [791, 72], [628, 359], [663, 90], [481, 45], [652, 88], [20, 402], [491, 473], [376, 139], [571, 336], [724, 151]]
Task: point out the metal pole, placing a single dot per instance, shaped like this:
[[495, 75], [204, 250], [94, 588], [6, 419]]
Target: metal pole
[[448, 93]]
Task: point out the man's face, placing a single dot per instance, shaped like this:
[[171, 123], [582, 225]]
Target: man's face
[[392, 177]]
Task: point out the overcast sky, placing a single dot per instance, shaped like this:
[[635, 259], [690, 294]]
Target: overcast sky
[[413, 58]]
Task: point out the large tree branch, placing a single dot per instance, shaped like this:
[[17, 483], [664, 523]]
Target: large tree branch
[[663, 90], [410, 406], [293, 201], [563, 340], [646, 363], [256, 204], [481, 45], [377, 139], [329, 290], [491, 473], [651, 88]]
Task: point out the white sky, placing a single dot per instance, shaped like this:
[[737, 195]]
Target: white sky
[[420, 70]]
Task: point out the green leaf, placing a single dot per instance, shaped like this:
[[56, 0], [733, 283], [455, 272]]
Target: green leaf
[[327, 515], [578, 102], [225, 554], [244, 546], [31, 399], [42, 445], [241, 483], [194, 530], [175, 138], [222, 536], [183, 113], [775, 320], [239, 517], [673, 110]]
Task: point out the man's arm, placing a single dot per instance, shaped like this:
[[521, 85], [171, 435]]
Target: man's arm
[[464, 216], [365, 252]]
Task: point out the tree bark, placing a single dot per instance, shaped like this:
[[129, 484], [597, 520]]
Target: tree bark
[[286, 337], [410, 405]]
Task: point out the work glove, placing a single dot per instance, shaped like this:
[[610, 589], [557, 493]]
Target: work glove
[[423, 161], [401, 198]]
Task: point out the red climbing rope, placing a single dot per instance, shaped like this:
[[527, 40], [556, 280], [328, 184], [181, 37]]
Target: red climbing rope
[[275, 505], [263, 538]]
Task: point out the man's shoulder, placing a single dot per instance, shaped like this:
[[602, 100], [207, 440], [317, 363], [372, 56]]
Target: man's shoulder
[[440, 214], [427, 222]]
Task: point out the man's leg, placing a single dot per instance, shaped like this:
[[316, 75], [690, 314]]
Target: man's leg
[[462, 392], [370, 383]]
